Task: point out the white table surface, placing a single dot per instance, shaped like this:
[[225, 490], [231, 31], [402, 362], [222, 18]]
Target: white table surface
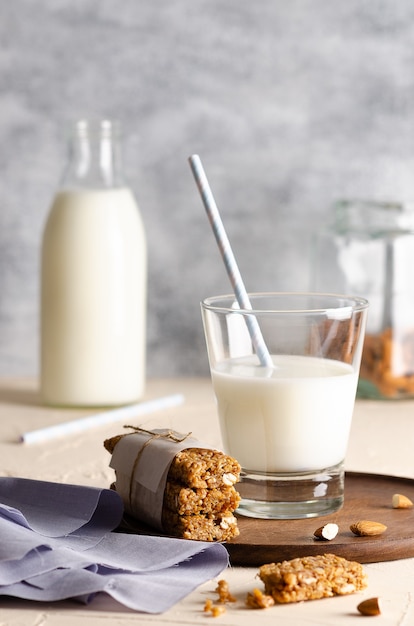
[[382, 441]]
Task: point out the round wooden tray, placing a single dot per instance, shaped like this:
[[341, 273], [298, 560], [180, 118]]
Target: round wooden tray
[[367, 496]]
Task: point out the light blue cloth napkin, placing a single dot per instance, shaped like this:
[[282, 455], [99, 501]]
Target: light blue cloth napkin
[[56, 542]]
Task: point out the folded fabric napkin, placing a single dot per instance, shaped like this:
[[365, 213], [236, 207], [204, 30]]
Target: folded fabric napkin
[[56, 542]]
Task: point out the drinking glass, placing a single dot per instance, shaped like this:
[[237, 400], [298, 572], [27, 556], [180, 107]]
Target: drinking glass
[[287, 424]]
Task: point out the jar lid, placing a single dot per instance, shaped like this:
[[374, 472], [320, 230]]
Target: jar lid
[[374, 218]]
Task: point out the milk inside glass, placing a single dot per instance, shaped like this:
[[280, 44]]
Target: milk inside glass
[[294, 419], [93, 299]]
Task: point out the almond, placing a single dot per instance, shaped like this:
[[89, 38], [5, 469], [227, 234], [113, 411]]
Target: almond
[[229, 479], [327, 532], [366, 528], [401, 502], [369, 607]]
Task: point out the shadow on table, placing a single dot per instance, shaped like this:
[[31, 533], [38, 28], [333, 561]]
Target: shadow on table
[[26, 397], [101, 603]]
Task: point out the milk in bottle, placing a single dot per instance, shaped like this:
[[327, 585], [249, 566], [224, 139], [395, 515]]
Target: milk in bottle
[[93, 281]]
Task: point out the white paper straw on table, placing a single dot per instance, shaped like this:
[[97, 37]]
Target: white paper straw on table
[[229, 260], [100, 419]]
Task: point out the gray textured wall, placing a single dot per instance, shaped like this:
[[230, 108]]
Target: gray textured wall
[[291, 105]]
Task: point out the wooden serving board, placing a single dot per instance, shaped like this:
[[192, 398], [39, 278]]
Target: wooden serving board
[[367, 496]]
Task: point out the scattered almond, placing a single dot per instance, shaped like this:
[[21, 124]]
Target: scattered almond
[[366, 528], [369, 607], [327, 532], [401, 502]]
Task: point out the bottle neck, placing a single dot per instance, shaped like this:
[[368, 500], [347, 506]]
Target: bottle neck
[[94, 156]]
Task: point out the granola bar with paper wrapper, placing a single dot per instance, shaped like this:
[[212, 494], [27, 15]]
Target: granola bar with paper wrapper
[[175, 484]]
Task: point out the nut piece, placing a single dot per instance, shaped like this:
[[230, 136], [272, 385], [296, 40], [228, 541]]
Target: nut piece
[[327, 532], [401, 502], [369, 607], [365, 528], [229, 479]]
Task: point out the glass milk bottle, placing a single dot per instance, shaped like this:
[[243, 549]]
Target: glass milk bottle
[[369, 251], [93, 280]]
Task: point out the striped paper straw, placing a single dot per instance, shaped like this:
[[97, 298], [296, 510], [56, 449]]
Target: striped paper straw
[[101, 419], [229, 259]]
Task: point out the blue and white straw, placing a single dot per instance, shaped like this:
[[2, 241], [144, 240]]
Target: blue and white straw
[[229, 260], [102, 419]]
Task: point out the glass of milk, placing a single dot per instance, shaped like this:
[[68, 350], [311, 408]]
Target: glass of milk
[[287, 425]]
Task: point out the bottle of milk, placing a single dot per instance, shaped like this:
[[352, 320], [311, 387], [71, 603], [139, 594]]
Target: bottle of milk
[[93, 280]]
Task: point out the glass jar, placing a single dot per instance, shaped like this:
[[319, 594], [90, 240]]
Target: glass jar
[[369, 251], [93, 279]]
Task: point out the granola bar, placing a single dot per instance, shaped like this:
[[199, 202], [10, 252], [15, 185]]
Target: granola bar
[[187, 501], [196, 498], [203, 467], [311, 578], [220, 527]]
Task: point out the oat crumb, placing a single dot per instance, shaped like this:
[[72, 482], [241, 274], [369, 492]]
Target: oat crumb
[[223, 591], [214, 609], [259, 600]]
